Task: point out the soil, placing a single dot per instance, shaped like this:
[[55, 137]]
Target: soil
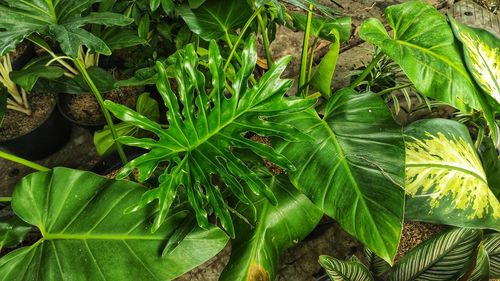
[[21, 48], [84, 108], [16, 124], [415, 233]]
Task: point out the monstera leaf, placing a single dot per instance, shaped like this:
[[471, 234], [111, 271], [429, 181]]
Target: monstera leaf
[[492, 247], [86, 236], [445, 180], [345, 271], [256, 250], [424, 46], [354, 168], [199, 139], [442, 258], [61, 19], [214, 18], [482, 56]]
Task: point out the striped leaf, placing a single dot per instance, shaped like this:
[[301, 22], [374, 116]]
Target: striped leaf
[[376, 265], [445, 179], [443, 258], [481, 271], [339, 270], [492, 247]]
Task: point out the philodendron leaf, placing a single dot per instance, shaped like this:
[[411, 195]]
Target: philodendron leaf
[[214, 19], [256, 250], [482, 56], [481, 271], [445, 179], [354, 168], [12, 231], [322, 27], [202, 133], [61, 19], [345, 270], [424, 46], [87, 236], [28, 76], [492, 247], [445, 257]]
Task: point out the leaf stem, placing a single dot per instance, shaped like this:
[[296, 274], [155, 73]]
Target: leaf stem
[[23, 161], [305, 50], [81, 67], [310, 64], [367, 70], [398, 87], [265, 38], [5, 199]]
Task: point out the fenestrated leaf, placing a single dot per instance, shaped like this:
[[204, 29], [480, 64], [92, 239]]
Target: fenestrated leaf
[[322, 27], [214, 18], [201, 134], [12, 231], [86, 236], [62, 19], [482, 56], [481, 271], [354, 168], [339, 270], [424, 46], [445, 257], [257, 249], [445, 180], [492, 247]]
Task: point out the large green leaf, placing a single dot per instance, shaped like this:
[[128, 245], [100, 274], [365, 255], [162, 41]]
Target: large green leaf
[[214, 18], [12, 231], [28, 76], [354, 168], [86, 235], [445, 257], [445, 180], [424, 46], [322, 27], [202, 133], [256, 250], [492, 247], [491, 165], [482, 56], [61, 19], [345, 270]]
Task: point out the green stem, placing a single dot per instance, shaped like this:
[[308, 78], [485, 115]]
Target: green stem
[[240, 37], [310, 65], [265, 38], [5, 199], [305, 49], [388, 90], [367, 70], [23, 161], [107, 116], [480, 137]]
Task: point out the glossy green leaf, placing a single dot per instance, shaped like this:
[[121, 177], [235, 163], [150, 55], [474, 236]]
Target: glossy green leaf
[[445, 179], [214, 18], [195, 3], [257, 249], [345, 270], [354, 168], [482, 56], [492, 247], [28, 76], [481, 271], [491, 165], [154, 4], [62, 19], [322, 27], [201, 135], [445, 257], [121, 38], [12, 231], [323, 75], [424, 46], [103, 139], [86, 235]]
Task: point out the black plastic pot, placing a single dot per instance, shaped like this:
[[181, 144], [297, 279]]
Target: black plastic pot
[[63, 101], [50, 136], [113, 162], [25, 57]]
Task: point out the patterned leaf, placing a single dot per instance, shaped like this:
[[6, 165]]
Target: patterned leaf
[[345, 271], [481, 271], [445, 180], [445, 257], [492, 247]]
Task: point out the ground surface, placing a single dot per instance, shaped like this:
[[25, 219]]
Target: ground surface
[[299, 263]]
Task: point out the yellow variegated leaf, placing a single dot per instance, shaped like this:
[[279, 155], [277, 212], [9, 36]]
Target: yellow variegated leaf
[[445, 179]]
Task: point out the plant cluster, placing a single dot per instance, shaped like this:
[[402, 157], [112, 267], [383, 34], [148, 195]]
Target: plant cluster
[[228, 154]]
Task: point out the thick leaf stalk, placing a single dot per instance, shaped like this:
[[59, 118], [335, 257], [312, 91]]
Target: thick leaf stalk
[[204, 127]]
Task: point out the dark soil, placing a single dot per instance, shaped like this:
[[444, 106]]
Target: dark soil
[[84, 108], [16, 124], [21, 48], [415, 233]]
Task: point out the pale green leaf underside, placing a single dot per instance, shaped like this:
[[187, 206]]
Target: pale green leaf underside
[[339, 270]]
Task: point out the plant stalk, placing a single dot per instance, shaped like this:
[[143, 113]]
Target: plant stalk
[[265, 39], [310, 65], [305, 50], [399, 87], [5, 199], [23, 161], [81, 67], [367, 70]]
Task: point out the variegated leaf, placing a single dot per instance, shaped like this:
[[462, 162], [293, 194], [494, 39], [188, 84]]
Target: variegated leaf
[[345, 270], [482, 56], [445, 180], [492, 247]]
